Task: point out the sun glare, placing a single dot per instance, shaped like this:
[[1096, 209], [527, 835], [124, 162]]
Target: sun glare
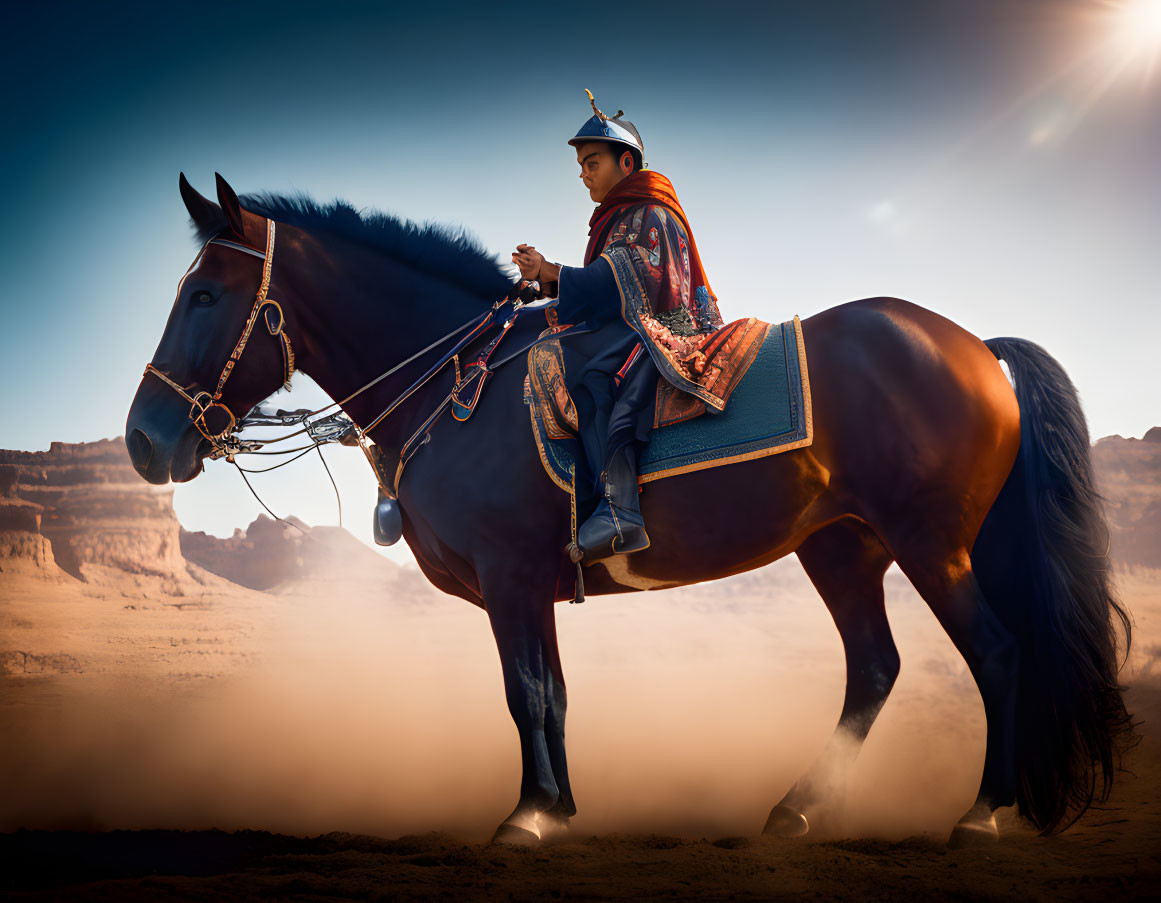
[[1137, 25]]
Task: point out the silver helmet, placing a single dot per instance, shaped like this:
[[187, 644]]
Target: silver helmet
[[612, 129]]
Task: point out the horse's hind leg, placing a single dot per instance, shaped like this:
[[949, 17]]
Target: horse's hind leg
[[846, 563], [949, 587]]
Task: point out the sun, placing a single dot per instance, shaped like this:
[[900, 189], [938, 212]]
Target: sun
[[1137, 32], [1143, 16]]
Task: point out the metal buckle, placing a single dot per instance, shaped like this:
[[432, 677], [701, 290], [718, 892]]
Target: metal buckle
[[202, 404], [266, 316]]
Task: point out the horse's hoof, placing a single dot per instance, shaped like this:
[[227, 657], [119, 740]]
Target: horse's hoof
[[515, 836], [786, 822], [976, 829]]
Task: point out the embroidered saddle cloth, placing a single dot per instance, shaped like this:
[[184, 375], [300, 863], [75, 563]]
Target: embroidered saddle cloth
[[769, 409]]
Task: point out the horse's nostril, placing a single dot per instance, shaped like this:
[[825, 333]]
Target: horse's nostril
[[140, 449]]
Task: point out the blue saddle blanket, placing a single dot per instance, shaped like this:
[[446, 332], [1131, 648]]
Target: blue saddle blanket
[[768, 412]]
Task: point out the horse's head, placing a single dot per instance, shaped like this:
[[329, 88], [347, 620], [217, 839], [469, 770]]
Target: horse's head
[[199, 381]]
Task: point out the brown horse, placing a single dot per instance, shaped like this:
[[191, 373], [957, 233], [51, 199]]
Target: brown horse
[[923, 454]]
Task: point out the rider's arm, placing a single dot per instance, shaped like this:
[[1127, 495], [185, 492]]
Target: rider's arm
[[588, 293], [549, 278]]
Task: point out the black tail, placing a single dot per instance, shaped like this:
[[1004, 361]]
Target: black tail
[[1042, 560]]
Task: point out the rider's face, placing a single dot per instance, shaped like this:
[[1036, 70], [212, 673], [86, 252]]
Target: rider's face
[[599, 168]]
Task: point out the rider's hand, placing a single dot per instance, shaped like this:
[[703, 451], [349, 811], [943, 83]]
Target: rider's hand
[[529, 260]]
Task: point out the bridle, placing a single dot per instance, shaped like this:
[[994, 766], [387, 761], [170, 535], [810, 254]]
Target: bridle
[[202, 401]]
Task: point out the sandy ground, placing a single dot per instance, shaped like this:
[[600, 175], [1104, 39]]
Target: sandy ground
[[312, 724]]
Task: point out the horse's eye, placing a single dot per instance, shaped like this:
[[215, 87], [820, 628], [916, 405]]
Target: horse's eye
[[203, 297]]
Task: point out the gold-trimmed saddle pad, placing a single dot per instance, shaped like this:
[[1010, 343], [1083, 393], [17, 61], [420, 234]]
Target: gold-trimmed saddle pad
[[768, 412]]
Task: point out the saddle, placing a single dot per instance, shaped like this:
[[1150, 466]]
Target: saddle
[[760, 367]]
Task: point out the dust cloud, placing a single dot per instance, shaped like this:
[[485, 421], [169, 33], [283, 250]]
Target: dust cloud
[[691, 712]]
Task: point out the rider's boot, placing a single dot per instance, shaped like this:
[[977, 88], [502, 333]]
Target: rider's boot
[[616, 527]]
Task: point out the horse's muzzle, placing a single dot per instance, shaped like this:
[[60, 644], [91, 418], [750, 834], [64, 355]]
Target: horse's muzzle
[[163, 444]]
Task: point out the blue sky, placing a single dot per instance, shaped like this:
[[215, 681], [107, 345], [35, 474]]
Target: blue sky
[[994, 160]]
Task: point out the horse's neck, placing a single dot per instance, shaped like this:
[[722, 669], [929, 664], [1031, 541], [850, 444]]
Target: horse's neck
[[361, 313]]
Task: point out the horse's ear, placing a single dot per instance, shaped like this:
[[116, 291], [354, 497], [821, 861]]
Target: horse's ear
[[230, 206], [207, 215]]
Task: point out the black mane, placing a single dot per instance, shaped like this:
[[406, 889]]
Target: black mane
[[447, 253]]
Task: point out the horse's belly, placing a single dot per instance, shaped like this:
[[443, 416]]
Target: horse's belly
[[718, 522]]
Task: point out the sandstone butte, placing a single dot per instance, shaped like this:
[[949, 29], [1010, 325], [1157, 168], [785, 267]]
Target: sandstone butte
[[97, 575]]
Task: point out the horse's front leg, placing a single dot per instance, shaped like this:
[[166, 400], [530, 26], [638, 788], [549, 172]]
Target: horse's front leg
[[523, 622]]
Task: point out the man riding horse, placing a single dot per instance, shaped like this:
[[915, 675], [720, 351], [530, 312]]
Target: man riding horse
[[642, 286]]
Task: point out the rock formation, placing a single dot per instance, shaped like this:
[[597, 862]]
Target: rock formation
[[1129, 477], [269, 555], [98, 580], [82, 511], [81, 508], [92, 580]]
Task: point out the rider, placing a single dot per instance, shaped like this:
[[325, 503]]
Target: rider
[[644, 289]]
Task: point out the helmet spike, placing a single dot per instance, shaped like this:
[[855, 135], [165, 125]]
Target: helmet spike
[[601, 116]]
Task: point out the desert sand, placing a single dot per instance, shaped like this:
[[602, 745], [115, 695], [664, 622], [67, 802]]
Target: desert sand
[[343, 734]]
